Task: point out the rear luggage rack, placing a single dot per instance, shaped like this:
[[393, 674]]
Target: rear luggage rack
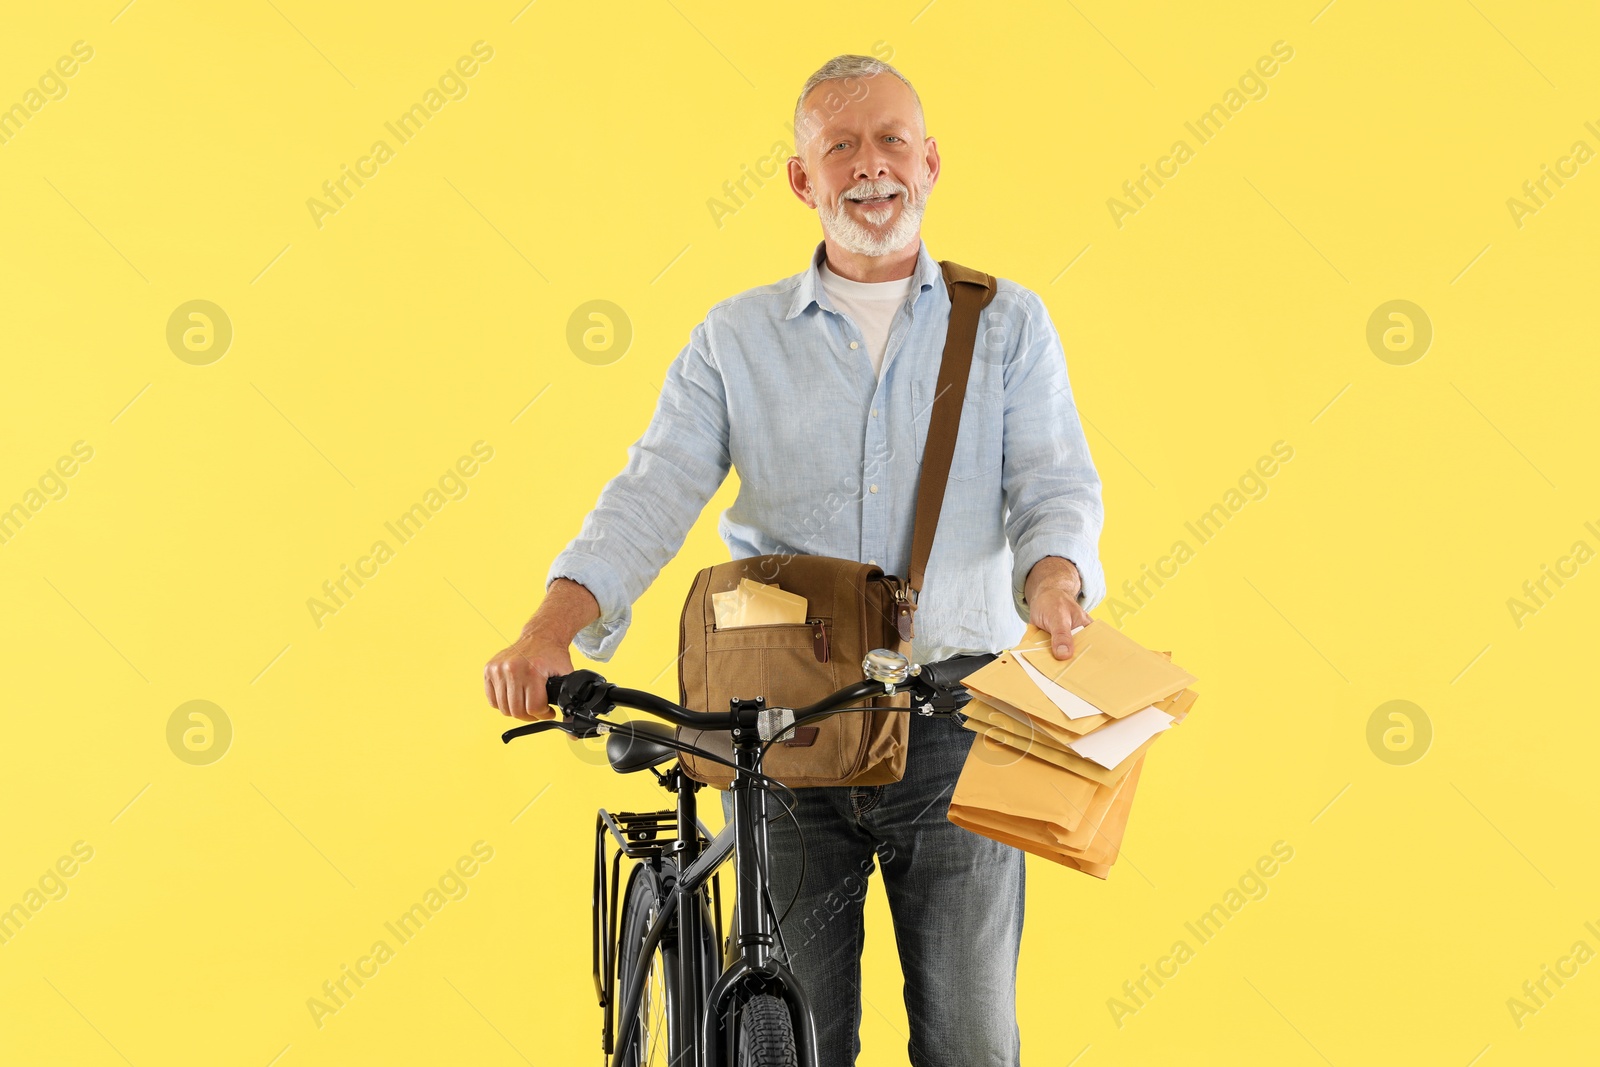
[[639, 835]]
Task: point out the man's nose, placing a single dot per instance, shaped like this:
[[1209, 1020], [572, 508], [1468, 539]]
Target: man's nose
[[872, 165]]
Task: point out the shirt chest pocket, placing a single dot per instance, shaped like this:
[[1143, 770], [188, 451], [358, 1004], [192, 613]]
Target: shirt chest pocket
[[979, 443]]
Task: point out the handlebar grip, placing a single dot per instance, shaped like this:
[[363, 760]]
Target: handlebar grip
[[552, 689], [947, 674]]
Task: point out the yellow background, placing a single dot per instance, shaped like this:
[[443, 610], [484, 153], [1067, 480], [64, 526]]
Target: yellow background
[[368, 354]]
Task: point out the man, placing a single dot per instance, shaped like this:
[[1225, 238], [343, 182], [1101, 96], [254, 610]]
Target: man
[[817, 389]]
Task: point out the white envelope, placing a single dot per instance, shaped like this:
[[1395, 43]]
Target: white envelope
[[1071, 704], [1116, 740]]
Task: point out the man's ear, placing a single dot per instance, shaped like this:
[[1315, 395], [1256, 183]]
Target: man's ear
[[933, 161], [800, 182]]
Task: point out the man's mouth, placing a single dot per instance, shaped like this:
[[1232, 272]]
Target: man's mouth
[[872, 200]]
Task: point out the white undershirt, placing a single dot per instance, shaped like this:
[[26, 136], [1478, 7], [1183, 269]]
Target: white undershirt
[[871, 306]]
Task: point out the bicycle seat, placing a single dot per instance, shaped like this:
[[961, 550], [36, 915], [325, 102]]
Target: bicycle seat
[[628, 754]]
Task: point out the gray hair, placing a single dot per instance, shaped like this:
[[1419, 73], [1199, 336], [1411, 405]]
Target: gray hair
[[845, 66]]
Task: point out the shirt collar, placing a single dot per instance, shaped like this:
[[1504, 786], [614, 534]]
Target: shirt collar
[[810, 290]]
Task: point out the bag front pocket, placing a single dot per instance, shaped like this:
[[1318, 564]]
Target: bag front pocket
[[779, 661], [789, 663]]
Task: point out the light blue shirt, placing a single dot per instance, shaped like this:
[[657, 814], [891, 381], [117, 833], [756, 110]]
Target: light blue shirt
[[776, 382]]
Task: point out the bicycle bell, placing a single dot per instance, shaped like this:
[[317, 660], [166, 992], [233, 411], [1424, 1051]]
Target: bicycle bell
[[886, 665]]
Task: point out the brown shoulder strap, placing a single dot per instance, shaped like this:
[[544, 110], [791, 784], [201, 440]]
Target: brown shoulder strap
[[970, 292]]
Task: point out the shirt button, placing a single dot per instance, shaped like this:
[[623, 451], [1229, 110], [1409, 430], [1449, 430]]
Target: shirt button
[[873, 562], [854, 345], [874, 412], [874, 487]]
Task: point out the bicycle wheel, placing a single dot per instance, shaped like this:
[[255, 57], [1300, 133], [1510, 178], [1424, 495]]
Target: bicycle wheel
[[766, 1034], [654, 1041]]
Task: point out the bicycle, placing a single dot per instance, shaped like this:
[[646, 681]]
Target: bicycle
[[679, 1006]]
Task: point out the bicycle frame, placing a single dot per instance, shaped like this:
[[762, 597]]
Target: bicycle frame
[[699, 1008], [700, 1011]]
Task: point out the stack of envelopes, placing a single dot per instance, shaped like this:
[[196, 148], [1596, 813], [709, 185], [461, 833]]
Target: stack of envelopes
[[1061, 743], [755, 603]]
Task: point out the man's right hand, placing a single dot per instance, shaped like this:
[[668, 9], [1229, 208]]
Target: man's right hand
[[514, 680]]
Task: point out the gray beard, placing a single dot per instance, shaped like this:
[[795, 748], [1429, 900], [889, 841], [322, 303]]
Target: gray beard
[[852, 236]]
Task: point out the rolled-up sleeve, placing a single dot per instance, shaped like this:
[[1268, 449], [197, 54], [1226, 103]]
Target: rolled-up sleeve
[[644, 513], [1050, 485]]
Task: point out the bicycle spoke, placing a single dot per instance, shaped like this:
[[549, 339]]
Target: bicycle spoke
[[661, 1015], [647, 996], [658, 1026], [653, 1009]]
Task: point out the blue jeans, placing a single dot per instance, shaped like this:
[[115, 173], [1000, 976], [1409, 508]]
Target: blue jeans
[[956, 898]]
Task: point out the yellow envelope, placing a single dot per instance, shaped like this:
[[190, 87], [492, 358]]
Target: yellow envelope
[[1003, 681], [997, 778], [994, 724], [1007, 726], [1090, 838], [1107, 668], [1019, 835], [1012, 721], [1091, 848], [1062, 735], [1178, 704], [729, 608], [978, 826], [753, 603], [1039, 713]]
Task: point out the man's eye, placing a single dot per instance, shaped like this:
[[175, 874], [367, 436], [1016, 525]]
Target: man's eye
[[892, 137], [837, 144]]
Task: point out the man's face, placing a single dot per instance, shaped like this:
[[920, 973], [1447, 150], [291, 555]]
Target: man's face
[[867, 166]]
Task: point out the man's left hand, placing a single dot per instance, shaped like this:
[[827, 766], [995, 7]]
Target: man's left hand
[[1052, 595]]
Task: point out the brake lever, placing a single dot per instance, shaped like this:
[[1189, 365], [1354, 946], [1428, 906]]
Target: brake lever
[[531, 728], [577, 726]]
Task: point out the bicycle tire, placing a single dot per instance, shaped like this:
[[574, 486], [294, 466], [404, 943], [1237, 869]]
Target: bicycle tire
[[653, 1042], [766, 1034]]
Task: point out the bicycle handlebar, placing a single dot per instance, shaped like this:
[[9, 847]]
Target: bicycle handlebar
[[585, 694]]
